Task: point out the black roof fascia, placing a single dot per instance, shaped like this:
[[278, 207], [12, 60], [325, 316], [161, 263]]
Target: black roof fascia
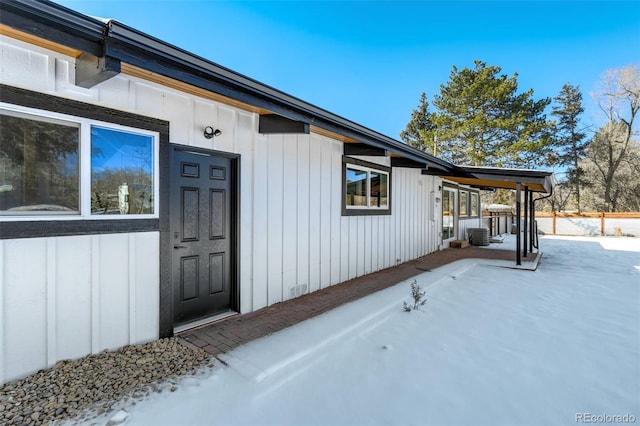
[[144, 51], [525, 173], [55, 23], [540, 177], [363, 149], [437, 172], [406, 163]]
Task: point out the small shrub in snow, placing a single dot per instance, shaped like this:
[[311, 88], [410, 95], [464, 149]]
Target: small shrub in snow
[[418, 296]]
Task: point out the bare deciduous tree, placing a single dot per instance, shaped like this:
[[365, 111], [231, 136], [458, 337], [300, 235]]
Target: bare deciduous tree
[[559, 199], [611, 152]]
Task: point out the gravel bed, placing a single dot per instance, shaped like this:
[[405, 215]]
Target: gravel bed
[[91, 386]]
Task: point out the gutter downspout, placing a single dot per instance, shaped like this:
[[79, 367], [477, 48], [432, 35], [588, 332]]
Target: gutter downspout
[[536, 245], [518, 253], [525, 235]]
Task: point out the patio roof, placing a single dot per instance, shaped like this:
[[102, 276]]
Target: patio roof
[[520, 180], [493, 177]]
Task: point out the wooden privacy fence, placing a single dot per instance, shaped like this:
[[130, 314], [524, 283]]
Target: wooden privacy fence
[[618, 224], [498, 222]]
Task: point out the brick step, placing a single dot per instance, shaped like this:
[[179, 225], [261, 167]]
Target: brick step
[[459, 244]]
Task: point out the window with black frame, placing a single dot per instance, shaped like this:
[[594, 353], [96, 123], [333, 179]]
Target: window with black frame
[[464, 203], [366, 188], [448, 213], [475, 206]]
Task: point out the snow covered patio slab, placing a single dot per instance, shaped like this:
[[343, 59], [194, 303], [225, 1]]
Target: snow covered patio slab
[[491, 346]]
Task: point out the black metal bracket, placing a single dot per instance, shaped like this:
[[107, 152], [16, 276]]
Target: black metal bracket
[[363, 149], [274, 123]]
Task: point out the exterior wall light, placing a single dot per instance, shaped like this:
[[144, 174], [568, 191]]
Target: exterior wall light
[[210, 132]]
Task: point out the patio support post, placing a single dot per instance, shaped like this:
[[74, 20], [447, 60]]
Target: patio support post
[[518, 254], [532, 226], [526, 217]]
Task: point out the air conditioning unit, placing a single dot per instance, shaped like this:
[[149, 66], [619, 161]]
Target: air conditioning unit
[[478, 236]]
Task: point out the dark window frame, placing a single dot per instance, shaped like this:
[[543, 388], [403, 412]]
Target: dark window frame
[[364, 211], [65, 227], [453, 188], [460, 204], [474, 213]]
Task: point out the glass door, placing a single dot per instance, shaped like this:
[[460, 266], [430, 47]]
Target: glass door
[[448, 214]]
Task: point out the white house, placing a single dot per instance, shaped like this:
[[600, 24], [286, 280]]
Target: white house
[[144, 189]]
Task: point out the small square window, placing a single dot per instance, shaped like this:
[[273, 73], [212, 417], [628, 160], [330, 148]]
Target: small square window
[[366, 188], [121, 172], [39, 169]]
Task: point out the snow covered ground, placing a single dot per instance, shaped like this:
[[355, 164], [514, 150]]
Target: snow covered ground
[[491, 346]]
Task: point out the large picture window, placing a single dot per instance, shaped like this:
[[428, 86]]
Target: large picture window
[[55, 165], [366, 188], [39, 172]]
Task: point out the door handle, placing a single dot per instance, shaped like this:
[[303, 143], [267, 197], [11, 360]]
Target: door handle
[[177, 246]]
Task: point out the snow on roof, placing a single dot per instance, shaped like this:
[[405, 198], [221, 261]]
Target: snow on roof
[[105, 20], [497, 208]]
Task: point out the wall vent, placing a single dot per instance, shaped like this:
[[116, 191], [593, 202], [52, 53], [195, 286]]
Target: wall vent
[[297, 290]]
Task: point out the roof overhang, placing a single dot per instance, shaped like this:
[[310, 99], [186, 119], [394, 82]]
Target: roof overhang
[[490, 177], [111, 42], [141, 50], [110, 47]]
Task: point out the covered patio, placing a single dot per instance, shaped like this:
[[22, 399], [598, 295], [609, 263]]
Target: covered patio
[[522, 181]]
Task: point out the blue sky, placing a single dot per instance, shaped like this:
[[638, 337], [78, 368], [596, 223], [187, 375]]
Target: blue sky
[[368, 61]]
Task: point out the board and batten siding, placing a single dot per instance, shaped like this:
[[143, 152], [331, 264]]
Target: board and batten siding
[[65, 297], [464, 223]]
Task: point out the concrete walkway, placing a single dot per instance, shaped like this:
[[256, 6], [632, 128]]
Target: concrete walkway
[[231, 332]]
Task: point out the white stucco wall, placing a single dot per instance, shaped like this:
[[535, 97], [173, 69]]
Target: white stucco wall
[[70, 296]]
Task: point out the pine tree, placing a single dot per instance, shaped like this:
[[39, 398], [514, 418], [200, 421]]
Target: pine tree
[[570, 142], [481, 120], [420, 127]]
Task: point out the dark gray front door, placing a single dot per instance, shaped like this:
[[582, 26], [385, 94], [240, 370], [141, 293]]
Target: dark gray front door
[[201, 214]]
